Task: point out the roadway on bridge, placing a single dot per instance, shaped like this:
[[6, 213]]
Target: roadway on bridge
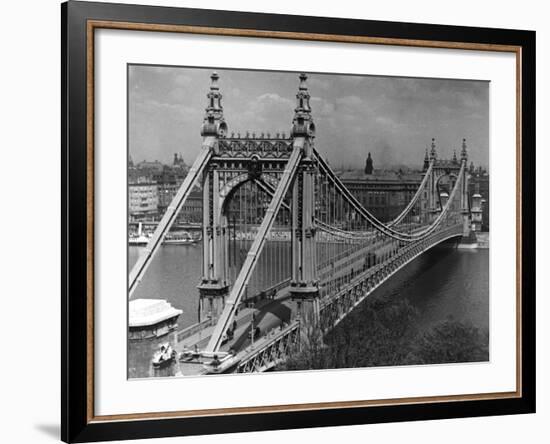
[[269, 315]]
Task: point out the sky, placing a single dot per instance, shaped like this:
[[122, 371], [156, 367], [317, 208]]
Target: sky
[[394, 118]]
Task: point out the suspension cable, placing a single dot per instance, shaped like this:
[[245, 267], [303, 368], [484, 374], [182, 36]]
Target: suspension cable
[[377, 224]]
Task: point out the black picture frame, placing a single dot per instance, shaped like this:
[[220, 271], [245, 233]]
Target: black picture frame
[[77, 424]]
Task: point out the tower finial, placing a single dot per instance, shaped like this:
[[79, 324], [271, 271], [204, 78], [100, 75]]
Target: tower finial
[[214, 77], [433, 153], [214, 122], [303, 84], [464, 152], [426, 161], [302, 124]]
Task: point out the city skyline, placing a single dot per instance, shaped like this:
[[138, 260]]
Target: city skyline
[[393, 118]]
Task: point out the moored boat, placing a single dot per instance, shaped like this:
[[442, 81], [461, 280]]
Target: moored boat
[[140, 238], [164, 355], [179, 238], [138, 241]]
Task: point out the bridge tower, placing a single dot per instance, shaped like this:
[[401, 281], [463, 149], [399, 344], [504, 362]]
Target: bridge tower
[[451, 169], [304, 282], [214, 286], [432, 186]]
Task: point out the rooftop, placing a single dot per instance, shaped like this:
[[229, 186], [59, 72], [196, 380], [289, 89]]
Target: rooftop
[[381, 176]]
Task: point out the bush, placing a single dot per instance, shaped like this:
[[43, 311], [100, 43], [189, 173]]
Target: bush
[[450, 342], [385, 332]]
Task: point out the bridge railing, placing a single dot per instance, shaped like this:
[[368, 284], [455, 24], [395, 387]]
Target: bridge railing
[[192, 329], [270, 353], [363, 284]]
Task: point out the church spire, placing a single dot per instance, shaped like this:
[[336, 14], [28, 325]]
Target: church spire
[[369, 166]]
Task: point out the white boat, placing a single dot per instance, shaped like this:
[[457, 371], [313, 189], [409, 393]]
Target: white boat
[[472, 246], [179, 238], [139, 239]]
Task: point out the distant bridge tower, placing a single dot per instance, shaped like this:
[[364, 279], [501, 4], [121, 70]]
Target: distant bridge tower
[[426, 162], [466, 215], [304, 283], [477, 210], [214, 285], [432, 188], [449, 169]]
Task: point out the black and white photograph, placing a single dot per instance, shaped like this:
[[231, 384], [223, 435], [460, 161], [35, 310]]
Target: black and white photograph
[[283, 221], [298, 222]]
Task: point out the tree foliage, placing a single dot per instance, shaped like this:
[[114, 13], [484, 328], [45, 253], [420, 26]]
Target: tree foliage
[[451, 341], [384, 332]]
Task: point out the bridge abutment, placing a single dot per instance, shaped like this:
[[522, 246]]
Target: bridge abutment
[[307, 302], [212, 300]]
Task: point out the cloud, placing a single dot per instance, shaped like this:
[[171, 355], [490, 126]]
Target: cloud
[[385, 121], [268, 112], [268, 99], [154, 106], [353, 114], [182, 80], [353, 102], [321, 107], [316, 83]]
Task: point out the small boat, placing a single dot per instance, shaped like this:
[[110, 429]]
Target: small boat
[[164, 355], [180, 238], [189, 355], [139, 239]]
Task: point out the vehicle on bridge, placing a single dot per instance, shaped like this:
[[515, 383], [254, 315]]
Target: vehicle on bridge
[[254, 333], [228, 336]]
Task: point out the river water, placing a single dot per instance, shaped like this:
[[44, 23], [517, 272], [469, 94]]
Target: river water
[[445, 283], [441, 283]]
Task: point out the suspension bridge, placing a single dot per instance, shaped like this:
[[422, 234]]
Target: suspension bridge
[[271, 202]]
